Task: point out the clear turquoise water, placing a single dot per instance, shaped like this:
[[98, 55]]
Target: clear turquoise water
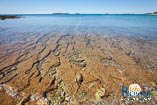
[[144, 26]]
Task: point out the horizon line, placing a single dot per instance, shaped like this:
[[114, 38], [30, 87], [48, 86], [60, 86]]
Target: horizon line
[[58, 13]]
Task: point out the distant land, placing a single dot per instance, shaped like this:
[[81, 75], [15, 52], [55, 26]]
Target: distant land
[[13, 16], [61, 13], [153, 13], [72, 13], [3, 17]]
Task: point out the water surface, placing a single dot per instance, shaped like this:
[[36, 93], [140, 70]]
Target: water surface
[[143, 26]]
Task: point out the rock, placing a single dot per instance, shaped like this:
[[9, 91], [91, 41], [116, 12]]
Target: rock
[[100, 103], [111, 62], [62, 94], [79, 78], [82, 64], [11, 91], [100, 94], [154, 84], [43, 101], [77, 60], [1, 75], [1, 86], [68, 99], [34, 97], [24, 100], [57, 53], [154, 95], [13, 68]]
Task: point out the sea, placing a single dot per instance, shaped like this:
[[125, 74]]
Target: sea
[[143, 26]]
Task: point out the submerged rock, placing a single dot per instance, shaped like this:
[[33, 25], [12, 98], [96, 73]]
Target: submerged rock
[[11, 91], [24, 100], [1, 86], [100, 103], [77, 60], [111, 62], [100, 94], [154, 95], [43, 101], [154, 84], [79, 78], [34, 97]]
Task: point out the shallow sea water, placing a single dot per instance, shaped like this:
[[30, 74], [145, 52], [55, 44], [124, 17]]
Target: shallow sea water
[[142, 26]]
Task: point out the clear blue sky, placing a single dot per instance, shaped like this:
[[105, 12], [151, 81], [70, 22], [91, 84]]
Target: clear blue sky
[[79, 6]]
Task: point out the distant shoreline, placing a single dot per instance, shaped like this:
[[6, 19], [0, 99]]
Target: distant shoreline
[[77, 14], [4, 17], [154, 13], [15, 16]]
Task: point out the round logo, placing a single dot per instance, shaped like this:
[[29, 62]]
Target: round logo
[[134, 89]]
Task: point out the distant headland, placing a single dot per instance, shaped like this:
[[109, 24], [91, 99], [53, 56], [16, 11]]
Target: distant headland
[[3, 17], [153, 13], [75, 14]]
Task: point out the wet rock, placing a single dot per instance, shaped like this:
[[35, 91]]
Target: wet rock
[[34, 97], [82, 64], [1, 86], [1, 76], [57, 53], [130, 53], [68, 99], [11, 91], [59, 97], [100, 103], [63, 94], [154, 95], [41, 67], [100, 93], [52, 71], [24, 100], [154, 84], [77, 60], [111, 62], [43, 101], [13, 68], [79, 78], [150, 67]]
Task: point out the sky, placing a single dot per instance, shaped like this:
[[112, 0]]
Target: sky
[[76, 6]]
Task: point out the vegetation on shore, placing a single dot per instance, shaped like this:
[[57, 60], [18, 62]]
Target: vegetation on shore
[[153, 13], [3, 17]]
